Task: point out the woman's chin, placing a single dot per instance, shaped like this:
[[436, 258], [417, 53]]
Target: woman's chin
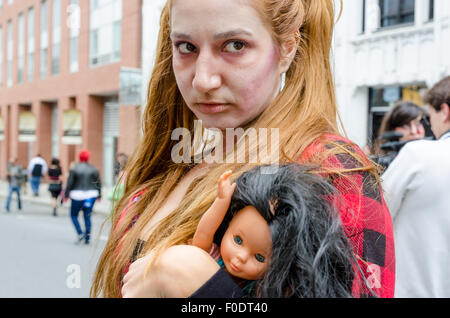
[[218, 123]]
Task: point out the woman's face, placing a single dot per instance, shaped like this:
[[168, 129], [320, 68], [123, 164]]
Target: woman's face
[[412, 131], [225, 61], [246, 246]]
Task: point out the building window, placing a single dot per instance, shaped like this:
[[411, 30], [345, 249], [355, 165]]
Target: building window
[[431, 11], [9, 54], [95, 4], [105, 23], [21, 48], [74, 54], [30, 55], [395, 12], [56, 36], [117, 40], [44, 39], [74, 11], [363, 28]]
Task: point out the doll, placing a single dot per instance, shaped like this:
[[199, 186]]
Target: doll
[[280, 234]]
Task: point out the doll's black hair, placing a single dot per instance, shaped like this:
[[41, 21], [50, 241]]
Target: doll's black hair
[[311, 255]]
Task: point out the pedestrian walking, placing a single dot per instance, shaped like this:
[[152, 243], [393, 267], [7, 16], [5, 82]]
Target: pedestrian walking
[[14, 180], [37, 168], [55, 183], [83, 188]]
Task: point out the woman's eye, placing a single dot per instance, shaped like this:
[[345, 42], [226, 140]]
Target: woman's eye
[[260, 258], [238, 240], [235, 46], [185, 47]]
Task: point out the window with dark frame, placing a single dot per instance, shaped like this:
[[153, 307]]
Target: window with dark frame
[[395, 12], [363, 16], [431, 11]]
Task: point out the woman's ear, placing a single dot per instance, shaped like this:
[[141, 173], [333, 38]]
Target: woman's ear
[[288, 49]]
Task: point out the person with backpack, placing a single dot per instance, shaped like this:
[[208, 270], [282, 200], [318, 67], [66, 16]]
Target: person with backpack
[[37, 168], [55, 183], [15, 172]]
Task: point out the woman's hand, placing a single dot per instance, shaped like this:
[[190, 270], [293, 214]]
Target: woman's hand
[[134, 283], [177, 273]]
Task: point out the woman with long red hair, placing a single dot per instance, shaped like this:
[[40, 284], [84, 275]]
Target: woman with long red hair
[[261, 66]]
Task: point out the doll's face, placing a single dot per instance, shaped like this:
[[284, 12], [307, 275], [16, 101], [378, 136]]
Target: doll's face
[[246, 247]]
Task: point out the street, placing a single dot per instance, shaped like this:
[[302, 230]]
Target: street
[[39, 257]]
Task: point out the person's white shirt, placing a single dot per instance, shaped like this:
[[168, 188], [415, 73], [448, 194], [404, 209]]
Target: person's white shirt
[[37, 160], [417, 192], [81, 195]]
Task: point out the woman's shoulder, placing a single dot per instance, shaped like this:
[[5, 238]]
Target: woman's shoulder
[[346, 155], [345, 164], [364, 214]]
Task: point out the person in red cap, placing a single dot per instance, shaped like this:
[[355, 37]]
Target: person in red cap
[[83, 188]]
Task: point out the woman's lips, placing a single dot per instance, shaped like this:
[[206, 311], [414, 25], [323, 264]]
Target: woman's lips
[[213, 108]]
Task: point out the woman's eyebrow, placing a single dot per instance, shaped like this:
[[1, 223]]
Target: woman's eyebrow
[[181, 36], [218, 36], [232, 33]]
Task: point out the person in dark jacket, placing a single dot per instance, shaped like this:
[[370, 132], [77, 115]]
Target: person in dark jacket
[[83, 188], [55, 183]]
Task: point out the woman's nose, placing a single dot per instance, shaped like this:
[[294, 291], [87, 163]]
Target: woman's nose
[[420, 130], [416, 129], [206, 76]]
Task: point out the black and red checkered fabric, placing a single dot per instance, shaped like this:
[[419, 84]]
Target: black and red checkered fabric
[[365, 217]]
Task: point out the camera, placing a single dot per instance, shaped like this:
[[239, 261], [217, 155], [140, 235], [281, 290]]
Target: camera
[[392, 146]]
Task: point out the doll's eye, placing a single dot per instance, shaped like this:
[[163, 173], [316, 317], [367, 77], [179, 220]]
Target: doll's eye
[[237, 240], [260, 258]]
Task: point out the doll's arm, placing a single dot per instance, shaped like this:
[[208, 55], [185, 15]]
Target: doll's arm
[[210, 221]]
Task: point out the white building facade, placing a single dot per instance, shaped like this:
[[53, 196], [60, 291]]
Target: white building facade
[[385, 51], [151, 13]]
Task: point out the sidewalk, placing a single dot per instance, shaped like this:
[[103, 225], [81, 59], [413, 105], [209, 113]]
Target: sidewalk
[[44, 198]]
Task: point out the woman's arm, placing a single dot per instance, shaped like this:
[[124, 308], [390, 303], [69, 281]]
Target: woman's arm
[[177, 273], [210, 221]]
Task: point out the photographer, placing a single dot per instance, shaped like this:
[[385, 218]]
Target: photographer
[[404, 123], [416, 191]]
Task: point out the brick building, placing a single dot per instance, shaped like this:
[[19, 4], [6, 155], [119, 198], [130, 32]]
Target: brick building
[[61, 55]]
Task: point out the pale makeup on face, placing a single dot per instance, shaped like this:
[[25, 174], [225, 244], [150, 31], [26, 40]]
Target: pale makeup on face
[[247, 245], [226, 64]]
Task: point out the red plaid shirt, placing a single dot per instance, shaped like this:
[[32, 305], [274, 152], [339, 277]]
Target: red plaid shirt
[[365, 216]]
